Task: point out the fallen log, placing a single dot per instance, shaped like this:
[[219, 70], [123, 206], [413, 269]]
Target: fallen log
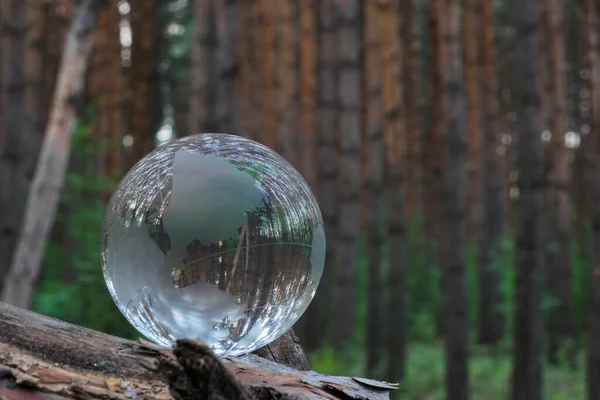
[[47, 359]]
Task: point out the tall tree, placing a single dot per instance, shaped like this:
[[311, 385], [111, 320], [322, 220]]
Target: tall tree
[[491, 322], [106, 89], [52, 163], [590, 9], [202, 114], [454, 217], [266, 48], [395, 136], [17, 134], [527, 376], [411, 80], [143, 77], [373, 148], [319, 311], [472, 36], [308, 89], [287, 109], [227, 107], [349, 103], [560, 282]]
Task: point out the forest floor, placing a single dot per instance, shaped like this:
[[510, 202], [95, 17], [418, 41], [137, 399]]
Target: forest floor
[[490, 374]]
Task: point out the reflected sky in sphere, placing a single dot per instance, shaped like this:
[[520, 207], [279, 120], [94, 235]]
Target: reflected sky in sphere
[[215, 237]]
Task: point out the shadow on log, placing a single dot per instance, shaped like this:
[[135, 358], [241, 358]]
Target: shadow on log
[[44, 358]]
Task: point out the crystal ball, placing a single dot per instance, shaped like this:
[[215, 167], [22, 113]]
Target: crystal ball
[[216, 237]]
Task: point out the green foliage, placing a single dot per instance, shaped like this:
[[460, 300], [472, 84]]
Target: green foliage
[[72, 286], [489, 373]]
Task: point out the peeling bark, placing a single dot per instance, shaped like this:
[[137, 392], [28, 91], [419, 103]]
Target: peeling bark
[[43, 358]]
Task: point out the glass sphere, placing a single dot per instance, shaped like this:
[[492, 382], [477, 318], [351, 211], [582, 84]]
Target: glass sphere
[[215, 237]]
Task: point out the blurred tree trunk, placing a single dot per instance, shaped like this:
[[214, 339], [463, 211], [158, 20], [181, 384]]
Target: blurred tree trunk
[[411, 81], [308, 91], [472, 75], [590, 8], [107, 94], [143, 77], [227, 107], [56, 21], [349, 103], [287, 110], [16, 138], [266, 48], [374, 174], [319, 312], [34, 129], [250, 103], [454, 219], [527, 377], [395, 135], [41, 205], [491, 320], [561, 323], [434, 190], [203, 86]]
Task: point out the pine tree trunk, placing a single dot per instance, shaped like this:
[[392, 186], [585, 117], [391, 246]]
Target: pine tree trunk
[[227, 107], [13, 178], [320, 309], [50, 171], [593, 54], [527, 377], [412, 98], [287, 109], [434, 190], [349, 102], [34, 130], [106, 89], [373, 148], [472, 73], [308, 90], [455, 218], [143, 76], [266, 48], [395, 136], [202, 116], [491, 321]]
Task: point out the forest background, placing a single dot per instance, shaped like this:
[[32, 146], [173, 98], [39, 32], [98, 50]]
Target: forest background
[[452, 145]]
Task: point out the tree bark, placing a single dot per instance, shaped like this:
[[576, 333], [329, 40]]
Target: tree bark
[[287, 106], [308, 91], [45, 358], [454, 218], [45, 190], [349, 102], [373, 148], [560, 319], [527, 376], [15, 138], [593, 54], [106, 90], [227, 107], [143, 76], [320, 310], [202, 114], [266, 48], [411, 80], [472, 73], [491, 321]]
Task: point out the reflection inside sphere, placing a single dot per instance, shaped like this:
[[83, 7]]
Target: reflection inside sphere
[[214, 237]]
